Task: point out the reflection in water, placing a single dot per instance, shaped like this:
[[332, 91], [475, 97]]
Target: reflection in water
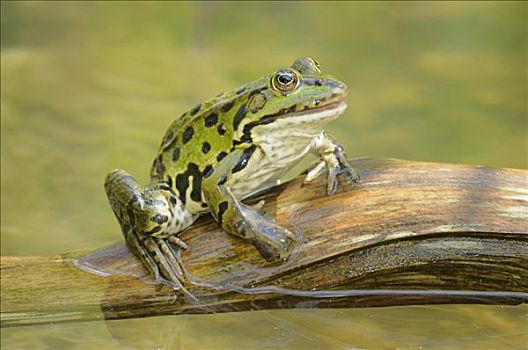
[[87, 87], [431, 327]]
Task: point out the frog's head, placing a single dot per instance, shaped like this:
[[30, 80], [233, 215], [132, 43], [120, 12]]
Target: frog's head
[[300, 96]]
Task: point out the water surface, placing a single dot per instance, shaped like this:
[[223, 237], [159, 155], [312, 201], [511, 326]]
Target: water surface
[[87, 87]]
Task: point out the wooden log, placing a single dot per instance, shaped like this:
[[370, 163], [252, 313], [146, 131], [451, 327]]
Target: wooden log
[[408, 233]]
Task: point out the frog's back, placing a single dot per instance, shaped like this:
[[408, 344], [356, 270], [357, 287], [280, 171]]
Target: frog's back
[[198, 140], [274, 118]]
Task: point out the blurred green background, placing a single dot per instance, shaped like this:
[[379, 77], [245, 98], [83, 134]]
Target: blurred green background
[[91, 86]]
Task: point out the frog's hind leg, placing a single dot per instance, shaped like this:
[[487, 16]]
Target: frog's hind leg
[[271, 240], [149, 223]]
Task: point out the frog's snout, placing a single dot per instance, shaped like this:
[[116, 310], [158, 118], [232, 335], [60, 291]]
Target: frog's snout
[[340, 89]]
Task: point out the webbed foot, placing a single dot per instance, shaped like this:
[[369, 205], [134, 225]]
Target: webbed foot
[[273, 242]]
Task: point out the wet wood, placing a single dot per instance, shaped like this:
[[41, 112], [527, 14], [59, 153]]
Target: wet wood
[[434, 233]]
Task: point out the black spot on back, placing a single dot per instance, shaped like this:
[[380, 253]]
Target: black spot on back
[[176, 154], [182, 183], [208, 171], [226, 107], [211, 120], [221, 129], [206, 147], [240, 114], [241, 90], [187, 134], [196, 193], [196, 109]]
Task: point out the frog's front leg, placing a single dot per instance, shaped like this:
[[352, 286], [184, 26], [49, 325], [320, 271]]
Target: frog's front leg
[[149, 223], [271, 240], [333, 158]]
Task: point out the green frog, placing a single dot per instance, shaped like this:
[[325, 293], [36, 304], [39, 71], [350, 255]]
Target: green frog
[[224, 150]]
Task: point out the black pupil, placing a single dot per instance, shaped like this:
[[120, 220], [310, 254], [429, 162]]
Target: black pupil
[[285, 78]]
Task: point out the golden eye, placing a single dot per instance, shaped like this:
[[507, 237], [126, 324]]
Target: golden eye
[[285, 81]]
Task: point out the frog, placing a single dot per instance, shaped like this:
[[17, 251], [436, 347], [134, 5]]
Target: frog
[[225, 150]]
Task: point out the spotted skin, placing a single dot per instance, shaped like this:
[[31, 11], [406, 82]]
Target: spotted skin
[[224, 150]]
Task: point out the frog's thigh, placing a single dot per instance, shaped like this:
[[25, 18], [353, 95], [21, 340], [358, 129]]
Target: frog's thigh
[[122, 191], [271, 240], [144, 223]]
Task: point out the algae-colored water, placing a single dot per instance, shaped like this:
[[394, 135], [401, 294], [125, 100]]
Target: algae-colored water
[[91, 86]]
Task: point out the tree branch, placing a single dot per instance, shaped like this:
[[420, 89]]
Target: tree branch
[[408, 233]]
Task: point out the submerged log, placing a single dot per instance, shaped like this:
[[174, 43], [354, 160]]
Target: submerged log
[[408, 233]]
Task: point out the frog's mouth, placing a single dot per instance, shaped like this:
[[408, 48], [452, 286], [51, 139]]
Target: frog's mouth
[[328, 111]]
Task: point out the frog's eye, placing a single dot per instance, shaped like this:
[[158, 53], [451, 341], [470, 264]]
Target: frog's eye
[[285, 81]]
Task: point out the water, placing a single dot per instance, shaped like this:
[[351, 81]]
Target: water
[[418, 327], [87, 87]]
